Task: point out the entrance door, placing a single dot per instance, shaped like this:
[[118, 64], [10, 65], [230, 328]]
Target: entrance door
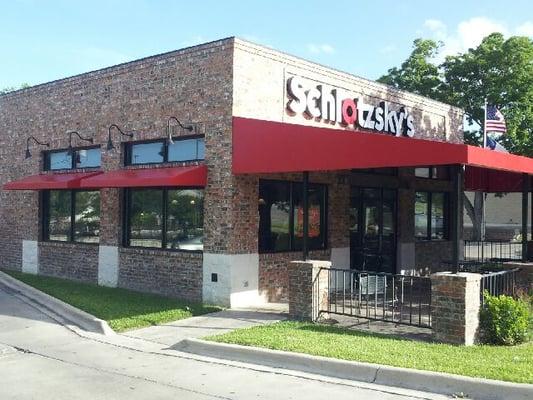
[[373, 229]]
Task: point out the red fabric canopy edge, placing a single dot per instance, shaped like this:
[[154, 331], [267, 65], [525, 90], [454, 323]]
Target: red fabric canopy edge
[[272, 147], [50, 181], [187, 176]]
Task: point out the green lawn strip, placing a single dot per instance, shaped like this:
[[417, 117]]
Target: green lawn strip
[[514, 364], [122, 309]]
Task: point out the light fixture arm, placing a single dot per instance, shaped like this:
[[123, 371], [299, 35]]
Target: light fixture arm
[[28, 154], [169, 131], [90, 140], [110, 145]]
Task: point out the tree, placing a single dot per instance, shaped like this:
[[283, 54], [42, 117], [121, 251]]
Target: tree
[[499, 70], [12, 88]]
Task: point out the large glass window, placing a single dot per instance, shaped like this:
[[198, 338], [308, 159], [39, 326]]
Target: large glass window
[[431, 216], [165, 218], [160, 151], [71, 216], [281, 216], [78, 158]]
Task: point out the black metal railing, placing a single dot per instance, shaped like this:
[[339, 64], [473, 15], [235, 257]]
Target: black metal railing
[[479, 250], [499, 282], [401, 299]]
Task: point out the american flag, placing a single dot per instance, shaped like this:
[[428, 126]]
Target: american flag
[[495, 121]]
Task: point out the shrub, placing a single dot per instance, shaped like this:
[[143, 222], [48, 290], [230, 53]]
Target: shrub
[[504, 320]]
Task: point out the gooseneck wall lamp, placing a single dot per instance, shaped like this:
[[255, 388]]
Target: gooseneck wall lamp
[[110, 145], [28, 154], [178, 123], [70, 150]]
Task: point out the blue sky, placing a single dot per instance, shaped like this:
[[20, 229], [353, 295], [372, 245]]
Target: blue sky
[[46, 40]]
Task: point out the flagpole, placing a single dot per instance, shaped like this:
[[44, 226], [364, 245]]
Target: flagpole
[[485, 125], [484, 196]]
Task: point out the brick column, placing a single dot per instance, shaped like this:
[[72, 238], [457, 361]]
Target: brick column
[[308, 289], [455, 303]]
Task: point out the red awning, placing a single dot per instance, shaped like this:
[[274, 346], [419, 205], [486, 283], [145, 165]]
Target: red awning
[[272, 147], [492, 181], [50, 181], [149, 177]]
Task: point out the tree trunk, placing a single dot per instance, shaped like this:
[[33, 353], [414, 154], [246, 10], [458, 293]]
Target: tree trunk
[[475, 212]]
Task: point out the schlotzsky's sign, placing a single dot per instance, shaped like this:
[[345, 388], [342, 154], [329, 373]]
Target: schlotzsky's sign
[[334, 105]]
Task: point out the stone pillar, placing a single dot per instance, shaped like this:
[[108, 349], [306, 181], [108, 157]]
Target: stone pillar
[[308, 289], [455, 304]]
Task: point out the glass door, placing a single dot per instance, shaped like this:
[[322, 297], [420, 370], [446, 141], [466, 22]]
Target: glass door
[[373, 229]]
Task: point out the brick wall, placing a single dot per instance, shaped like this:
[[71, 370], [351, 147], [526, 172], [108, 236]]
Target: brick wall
[[72, 261], [194, 85], [169, 273]]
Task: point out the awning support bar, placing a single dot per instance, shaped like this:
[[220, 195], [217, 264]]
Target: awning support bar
[[457, 204], [305, 201], [525, 209]]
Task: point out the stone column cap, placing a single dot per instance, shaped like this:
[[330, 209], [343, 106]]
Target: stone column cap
[[314, 263], [466, 276]]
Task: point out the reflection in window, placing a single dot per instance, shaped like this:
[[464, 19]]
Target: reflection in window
[[281, 216], [430, 215], [437, 216], [87, 217], [160, 151], [88, 158], [59, 215], [166, 218], [80, 158], [439, 172], [186, 150], [147, 153], [146, 218], [60, 160], [72, 216], [185, 220]]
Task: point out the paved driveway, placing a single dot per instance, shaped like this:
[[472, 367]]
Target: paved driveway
[[41, 359]]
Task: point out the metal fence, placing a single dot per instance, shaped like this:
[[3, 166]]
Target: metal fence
[[498, 283], [401, 299], [492, 250]]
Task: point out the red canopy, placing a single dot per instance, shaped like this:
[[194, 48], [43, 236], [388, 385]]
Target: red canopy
[[149, 177], [50, 181], [272, 147]]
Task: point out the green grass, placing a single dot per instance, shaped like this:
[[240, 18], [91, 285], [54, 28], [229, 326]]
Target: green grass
[[513, 364], [122, 309]]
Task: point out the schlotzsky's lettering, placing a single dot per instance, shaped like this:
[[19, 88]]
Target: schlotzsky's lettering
[[334, 105]]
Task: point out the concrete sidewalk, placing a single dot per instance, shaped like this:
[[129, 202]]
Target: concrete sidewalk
[[207, 325]]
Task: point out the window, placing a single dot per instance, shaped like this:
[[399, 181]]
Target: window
[[431, 217], [80, 158], [165, 218], [160, 151], [71, 216], [281, 216], [440, 173]]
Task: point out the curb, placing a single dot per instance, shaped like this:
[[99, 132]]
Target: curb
[[70, 313], [436, 382]]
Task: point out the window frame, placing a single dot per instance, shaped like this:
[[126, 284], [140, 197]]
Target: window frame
[[45, 207], [446, 214], [46, 158], [128, 150], [324, 216], [126, 217]]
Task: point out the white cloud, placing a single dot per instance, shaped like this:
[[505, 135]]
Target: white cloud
[[434, 25], [469, 33], [323, 48], [388, 49], [526, 29]]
